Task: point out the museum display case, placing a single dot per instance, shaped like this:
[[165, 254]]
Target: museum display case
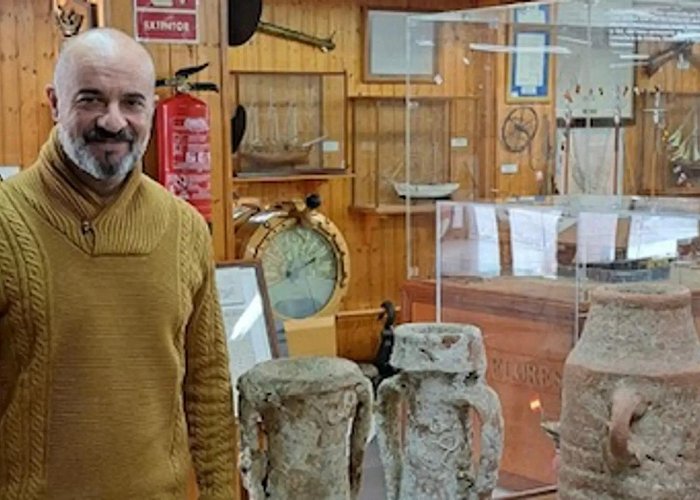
[[576, 97], [444, 163], [671, 154], [295, 123], [525, 271]]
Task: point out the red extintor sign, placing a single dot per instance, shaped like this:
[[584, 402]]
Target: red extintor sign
[[166, 21]]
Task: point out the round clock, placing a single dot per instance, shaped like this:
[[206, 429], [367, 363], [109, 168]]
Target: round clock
[[304, 256]]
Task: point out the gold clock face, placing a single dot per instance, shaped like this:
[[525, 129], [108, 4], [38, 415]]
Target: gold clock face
[[301, 271]]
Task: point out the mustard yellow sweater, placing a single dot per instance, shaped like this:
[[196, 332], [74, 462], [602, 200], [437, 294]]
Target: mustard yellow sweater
[[113, 366]]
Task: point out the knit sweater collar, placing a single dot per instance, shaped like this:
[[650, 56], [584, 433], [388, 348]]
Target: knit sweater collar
[[131, 221], [58, 176]]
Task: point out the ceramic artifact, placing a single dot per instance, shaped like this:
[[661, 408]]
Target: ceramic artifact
[[630, 422], [304, 427], [427, 454]]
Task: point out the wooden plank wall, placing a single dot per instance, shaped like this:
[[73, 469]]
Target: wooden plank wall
[[378, 243], [29, 43]]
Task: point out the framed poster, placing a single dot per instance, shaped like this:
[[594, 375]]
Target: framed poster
[[386, 58], [248, 320], [529, 60]]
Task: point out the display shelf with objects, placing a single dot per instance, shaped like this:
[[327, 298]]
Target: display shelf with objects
[[577, 97], [293, 124], [444, 166], [672, 122]]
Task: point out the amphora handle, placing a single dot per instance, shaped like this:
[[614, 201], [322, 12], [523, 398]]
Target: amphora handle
[[488, 406], [627, 405], [253, 460], [389, 425], [361, 426]]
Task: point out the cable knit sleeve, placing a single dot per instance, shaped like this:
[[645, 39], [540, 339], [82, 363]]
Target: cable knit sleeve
[[207, 392], [3, 251]]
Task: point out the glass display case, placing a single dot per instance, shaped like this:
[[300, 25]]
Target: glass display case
[[523, 271], [444, 160], [577, 97], [295, 123], [671, 154], [588, 108]]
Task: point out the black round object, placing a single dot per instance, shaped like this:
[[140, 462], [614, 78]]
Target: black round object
[[313, 201], [238, 126], [243, 19]]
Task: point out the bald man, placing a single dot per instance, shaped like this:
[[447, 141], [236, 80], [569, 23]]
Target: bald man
[[114, 375]]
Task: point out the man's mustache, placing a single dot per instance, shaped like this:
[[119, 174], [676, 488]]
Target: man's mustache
[[99, 134]]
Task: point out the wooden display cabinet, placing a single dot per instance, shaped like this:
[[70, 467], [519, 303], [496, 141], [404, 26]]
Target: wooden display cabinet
[[295, 124], [444, 140], [669, 145]]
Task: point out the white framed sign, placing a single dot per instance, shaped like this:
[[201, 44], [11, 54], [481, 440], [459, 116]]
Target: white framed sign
[[247, 315]]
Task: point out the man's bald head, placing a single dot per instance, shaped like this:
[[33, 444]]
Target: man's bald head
[[107, 44], [102, 99]]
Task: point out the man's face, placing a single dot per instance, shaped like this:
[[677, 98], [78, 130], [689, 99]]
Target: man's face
[[104, 109]]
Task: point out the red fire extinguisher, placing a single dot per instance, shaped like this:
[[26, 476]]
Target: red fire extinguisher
[[182, 126]]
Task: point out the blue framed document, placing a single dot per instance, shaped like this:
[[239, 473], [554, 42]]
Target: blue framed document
[[529, 57]]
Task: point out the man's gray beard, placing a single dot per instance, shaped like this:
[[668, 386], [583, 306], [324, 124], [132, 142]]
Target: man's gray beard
[[77, 151]]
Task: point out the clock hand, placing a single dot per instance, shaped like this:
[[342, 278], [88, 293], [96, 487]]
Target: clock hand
[[294, 271], [308, 262]]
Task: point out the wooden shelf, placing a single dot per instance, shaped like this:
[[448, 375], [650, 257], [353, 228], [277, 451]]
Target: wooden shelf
[[290, 178], [692, 191], [394, 209]]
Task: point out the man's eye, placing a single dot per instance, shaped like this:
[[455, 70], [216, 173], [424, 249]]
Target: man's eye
[[87, 99], [134, 103]]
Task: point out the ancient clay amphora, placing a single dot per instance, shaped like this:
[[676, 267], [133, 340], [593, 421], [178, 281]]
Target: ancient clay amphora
[[426, 449], [630, 421], [295, 417]]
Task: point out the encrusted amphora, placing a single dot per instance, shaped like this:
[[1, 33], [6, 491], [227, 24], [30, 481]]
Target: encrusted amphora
[[304, 427], [424, 415], [630, 420]]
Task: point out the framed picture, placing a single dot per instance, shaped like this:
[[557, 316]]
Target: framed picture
[[385, 51], [529, 68], [248, 321]]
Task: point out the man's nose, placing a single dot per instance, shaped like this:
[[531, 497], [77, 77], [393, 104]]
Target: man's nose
[[113, 119]]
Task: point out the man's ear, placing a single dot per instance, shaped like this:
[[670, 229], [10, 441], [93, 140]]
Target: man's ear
[[53, 101]]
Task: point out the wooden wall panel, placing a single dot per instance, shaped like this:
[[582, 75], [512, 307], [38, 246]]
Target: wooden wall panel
[[377, 243], [29, 42]]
